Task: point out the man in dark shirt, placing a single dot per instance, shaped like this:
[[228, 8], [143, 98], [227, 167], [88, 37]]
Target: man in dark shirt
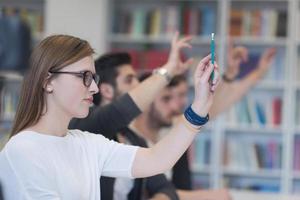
[[172, 100]]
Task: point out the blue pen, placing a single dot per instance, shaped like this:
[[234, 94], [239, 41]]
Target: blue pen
[[212, 52]]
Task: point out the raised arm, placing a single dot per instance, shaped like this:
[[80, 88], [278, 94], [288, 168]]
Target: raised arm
[[109, 119], [229, 93], [174, 66], [167, 151]]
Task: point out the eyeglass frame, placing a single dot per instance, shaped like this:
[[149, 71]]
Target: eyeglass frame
[[82, 74]]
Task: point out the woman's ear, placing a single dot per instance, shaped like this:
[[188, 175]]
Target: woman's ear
[[106, 91], [47, 86]]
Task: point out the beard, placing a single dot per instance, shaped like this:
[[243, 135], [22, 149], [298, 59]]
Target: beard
[[158, 120], [117, 94]]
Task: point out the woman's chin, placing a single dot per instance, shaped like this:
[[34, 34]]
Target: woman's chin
[[82, 114]]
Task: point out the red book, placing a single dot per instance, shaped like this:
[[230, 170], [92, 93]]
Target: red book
[[135, 57], [154, 59], [276, 104], [187, 21]]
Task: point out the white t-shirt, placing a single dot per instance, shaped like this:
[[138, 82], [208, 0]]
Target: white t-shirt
[[123, 185], [39, 166]]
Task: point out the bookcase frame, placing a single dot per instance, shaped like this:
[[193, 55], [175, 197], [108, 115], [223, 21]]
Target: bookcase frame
[[289, 87]]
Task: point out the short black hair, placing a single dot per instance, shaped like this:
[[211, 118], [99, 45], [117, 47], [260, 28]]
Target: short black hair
[[175, 81], [106, 67]]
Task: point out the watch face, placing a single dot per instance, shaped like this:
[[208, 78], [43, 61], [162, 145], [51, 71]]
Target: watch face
[[162, 71]]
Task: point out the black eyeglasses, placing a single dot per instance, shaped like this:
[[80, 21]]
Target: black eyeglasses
[[87, 76]]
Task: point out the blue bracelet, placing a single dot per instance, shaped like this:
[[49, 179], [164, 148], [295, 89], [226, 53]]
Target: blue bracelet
[[194, 118]]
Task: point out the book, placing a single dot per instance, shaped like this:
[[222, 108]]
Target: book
[[249, 66]]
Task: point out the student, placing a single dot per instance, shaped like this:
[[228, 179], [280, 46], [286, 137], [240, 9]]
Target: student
[[116, 113], [230, 83], [112, 88], [181, 176], [45, 160], [172, 101], [117, 75], [160, 114]]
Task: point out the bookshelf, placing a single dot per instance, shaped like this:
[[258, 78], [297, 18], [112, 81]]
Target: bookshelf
[[273, 106], [10, 85], [28, 17]]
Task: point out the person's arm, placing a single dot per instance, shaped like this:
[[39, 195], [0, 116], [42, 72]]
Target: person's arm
[[108, 120], [158, 187], [164, 154], [229, 93], [153, 85], [221, 194]]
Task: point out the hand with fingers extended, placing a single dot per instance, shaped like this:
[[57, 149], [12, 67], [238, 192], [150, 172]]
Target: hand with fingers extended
[[239, 54], [175, 65], [265, 61], [204, 88], [236, 55]]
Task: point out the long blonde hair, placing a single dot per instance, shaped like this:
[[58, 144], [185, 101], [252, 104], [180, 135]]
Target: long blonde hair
[[52, 54]]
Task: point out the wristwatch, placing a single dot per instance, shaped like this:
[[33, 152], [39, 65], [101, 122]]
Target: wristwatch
[[163, 72], [226, 79]]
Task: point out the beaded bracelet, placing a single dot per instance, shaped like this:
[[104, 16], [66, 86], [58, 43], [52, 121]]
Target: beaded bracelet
[[190, 126], [194, 118]]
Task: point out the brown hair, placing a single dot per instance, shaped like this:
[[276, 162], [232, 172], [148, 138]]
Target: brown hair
[[52, 54]]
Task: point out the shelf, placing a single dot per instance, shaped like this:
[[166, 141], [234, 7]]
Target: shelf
[[270, 85], [297, 130], [278, 83], [297, 85], [258, 195], [296, 175], [200, 169], [259, 1], [256, 41], [263, 173], [254, 129], [124, 38], [202, 1], [204, 40], [11, 76], [7, 119]]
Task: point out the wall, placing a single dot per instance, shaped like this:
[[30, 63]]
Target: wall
[[85, 19]]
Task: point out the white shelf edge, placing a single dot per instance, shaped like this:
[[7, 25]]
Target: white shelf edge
[[296, 174], [127, 38], [277, 41], [297, 130], [297, 85], [200, 169], [11, 75], [269, 84], [260, 1], [257, 129], [253, 173]]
